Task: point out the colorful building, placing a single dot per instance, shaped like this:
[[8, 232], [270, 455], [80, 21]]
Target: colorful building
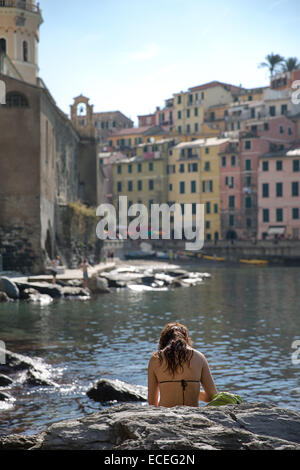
[[279, 195], [128, 139], [194, 175]]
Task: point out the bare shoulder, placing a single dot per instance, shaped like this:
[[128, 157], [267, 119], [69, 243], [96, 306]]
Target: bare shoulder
[[199, 355], [153, 362]]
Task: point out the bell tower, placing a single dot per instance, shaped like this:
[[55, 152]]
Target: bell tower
[[20, 21]]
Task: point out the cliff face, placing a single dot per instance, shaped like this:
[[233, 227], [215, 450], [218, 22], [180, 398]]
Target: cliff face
[[253, 426]]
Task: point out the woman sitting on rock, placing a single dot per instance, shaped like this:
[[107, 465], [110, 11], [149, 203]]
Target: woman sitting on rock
[[176, 371]]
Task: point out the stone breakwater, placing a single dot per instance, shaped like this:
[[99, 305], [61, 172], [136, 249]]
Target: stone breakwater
[[253, 426], [137, 278]]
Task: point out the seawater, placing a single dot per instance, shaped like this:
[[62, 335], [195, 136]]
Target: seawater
[[244, 319]]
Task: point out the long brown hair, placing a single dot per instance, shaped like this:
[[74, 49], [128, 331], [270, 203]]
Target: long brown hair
[[173, 346]]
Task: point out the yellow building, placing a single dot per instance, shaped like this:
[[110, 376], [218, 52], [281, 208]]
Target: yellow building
[[143, 181], [194, 178]]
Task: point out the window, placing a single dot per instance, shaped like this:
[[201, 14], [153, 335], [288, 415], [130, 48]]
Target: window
[[195, 167], [188, 113], [179, 115], [278, 189], [208, 207], [207, 150], [119, 169], [248, 202], [290, 131], [140, 185], [224, 161], [194, 208], [25, 51], [182, 187], [207, 166], [188, 129], [248, 165], [139, 168], [249, 223], [170, 187], [179, 129], [216, 208], [272, 110], [196, 127], [233, 160], [265, 166], [151, 185], [151, 166], [130, 186], [266, 215], [15, 99], [248, 145], [130, 168], [231, 202], [279, 215], [3, 45], [296, 165], [231, 220], [266, 126], [179, 99], [265, 190], [207, 224], [181, 168], [196, 112], [284, 109], [281, 130], [119, 186], [295, 213], [279, 165], [295, 188], [248, 181], [193, 186]]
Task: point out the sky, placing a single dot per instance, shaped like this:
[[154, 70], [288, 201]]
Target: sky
[[132, 55]]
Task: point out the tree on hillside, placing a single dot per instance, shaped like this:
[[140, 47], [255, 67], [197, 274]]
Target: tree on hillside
[[292, 63], [272, 62]]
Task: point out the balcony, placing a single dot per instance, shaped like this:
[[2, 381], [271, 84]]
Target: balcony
[[21, 4]]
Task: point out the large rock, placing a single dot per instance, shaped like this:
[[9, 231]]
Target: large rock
[[98, 285], [5, 381], [55, 291], [106, 390], [137, 427], [10, 288], [4, 297]]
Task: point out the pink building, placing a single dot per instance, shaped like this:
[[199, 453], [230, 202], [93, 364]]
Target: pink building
[[279, 195], [147, 120], [239, 174], [162, 117], [106, 159]]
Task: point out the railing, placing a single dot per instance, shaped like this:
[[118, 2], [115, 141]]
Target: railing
[[21, 4]]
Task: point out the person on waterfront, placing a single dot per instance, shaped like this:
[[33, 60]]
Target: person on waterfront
[[176, 371], [84, 266], [54, 268]]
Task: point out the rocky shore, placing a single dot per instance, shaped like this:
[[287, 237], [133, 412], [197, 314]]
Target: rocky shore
[[126, 422], [253, 426], [138, 277]]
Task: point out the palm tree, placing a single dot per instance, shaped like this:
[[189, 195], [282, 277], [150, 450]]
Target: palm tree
[[272, 62], [290, 64]]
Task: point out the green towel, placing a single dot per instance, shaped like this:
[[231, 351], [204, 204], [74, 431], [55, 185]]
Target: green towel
[[225, 398]]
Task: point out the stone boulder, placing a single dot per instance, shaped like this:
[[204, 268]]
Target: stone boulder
[[55, 291], [9, 288], [4, 297], [98, 285], [106, 390], [5, 381], [251, 426]]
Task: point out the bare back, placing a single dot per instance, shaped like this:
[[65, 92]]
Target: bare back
[[184, 387]]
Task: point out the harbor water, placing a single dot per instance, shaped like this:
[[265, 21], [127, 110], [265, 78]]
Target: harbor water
[[244, 319]]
